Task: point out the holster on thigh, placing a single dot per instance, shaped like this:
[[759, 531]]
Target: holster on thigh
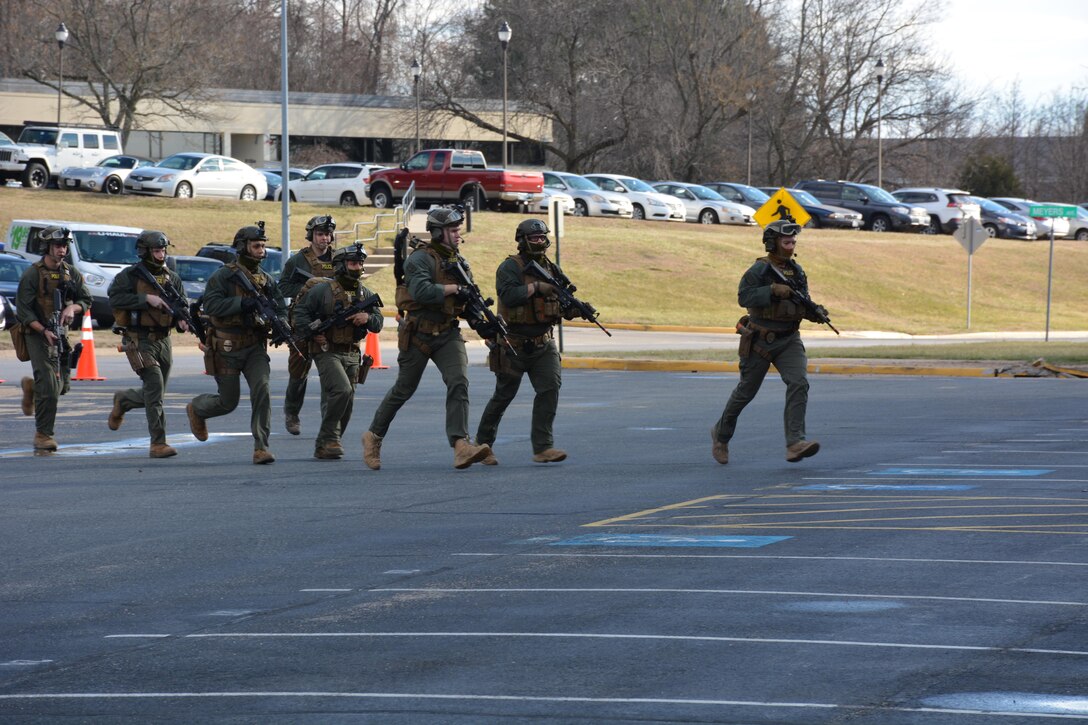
[[364, 367]]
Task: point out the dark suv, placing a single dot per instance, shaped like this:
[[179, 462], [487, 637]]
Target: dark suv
[[881, 211], [273, 261]]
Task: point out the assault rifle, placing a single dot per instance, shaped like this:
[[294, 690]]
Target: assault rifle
[[179, 306], [477, 309], [66, 354], [339, 317], [565, 290], [819, 312], [266, 314]]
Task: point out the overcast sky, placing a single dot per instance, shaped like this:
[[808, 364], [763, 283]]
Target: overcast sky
[[992, 43]]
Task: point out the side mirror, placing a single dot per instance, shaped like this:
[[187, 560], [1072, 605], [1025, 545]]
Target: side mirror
[[62, 145], [403, 165], [864, 198]]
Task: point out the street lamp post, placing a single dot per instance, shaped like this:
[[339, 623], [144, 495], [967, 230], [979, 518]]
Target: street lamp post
[[504, 39], [417, 70], [751, 100], [879, 123], [61, 35]]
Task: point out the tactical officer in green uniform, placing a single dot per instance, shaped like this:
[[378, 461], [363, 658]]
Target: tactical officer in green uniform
[[34, 306], [430, 330], [769, 334], [336, 350], [531, 308], [147, 320], [237, 342], [315, 260]]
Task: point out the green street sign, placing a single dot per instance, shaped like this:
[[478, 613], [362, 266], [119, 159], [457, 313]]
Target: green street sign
[[1053, 211]]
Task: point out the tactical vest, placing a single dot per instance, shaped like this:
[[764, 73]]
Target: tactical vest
[[781, 310], [151, 317], [537, 310], [318, 267], [238, 328], [440, 314], [48, 281], [344, 336]]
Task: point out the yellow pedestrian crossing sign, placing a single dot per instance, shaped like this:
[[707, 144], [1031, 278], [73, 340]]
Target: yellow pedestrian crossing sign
[[781, 206]]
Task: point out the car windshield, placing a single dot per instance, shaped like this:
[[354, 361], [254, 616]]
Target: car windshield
[[107, 247], [637, 184], [118, 162], [875, 193], [12, 268], [751, 193], [44, 136], [273, 262], [196, 270], [705, 193], [803, 197], [581, 183], [988, 205], [180, 162]]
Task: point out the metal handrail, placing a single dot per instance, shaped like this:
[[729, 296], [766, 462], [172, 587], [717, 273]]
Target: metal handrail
[[400, 215]]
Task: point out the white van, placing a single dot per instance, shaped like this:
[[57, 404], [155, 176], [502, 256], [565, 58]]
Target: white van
[[100, 251], [42, 152]]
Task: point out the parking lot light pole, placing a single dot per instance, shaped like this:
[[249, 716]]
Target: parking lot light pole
[[751, 100], [504, 39], [61, 35], [417, 70], [879, 123]]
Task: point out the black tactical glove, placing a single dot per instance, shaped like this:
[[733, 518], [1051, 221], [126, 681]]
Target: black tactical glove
[[463, 294], [249, 305], [821, 312], [545, 288]]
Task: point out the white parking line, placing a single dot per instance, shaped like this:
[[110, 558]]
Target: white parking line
[[876, 559], [528, 699], [743, 592], [956, 479]]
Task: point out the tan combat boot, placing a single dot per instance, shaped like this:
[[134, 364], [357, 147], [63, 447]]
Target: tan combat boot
[[372, 450], [28, 396], [43, 442], [161, 450], [490, 460], [550, 455], [116, 415], [261, 457], [465, 453], [292, 423], [719, 450], [801, 449], [329, 452], [196, 424]]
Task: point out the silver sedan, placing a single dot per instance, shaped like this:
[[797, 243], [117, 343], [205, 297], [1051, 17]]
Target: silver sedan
[[107, 176]]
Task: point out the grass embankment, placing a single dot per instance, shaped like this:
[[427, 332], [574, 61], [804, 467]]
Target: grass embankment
[[686, 274]]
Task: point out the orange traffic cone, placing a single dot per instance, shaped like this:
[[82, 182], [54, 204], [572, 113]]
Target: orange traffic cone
[[374, 350], [87, 369]]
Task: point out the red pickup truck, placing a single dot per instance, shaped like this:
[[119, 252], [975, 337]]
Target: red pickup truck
[[453, 175]]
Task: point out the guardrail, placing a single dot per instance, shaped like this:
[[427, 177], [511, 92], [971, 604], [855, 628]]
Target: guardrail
[[400, 215]]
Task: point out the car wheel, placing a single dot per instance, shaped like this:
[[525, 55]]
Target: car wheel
[[991, 229], [348, 199], [934, 225], [113, 186], [184, 190], [469, 196], [1082, 235], [380, 198], [248, 193], [36, 176], [580, 208], [637, 212], [880, 223], [708, 216]]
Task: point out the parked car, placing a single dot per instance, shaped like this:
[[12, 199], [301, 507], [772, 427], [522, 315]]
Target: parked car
[[1078, 226], [706, 206], [947, 207], [824, 216], [646, 202], [343, 183], [443, 176], [194, 273], [5, 140], [1043, 225], [589, 199], [188, 174], [42, 151], [550, 195], [274, 178], [12, 267], [108, 176], [881, 211], [273, 261], [1000, 222], [740, 193]]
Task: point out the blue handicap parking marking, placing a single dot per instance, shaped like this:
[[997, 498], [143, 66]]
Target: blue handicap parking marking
[[737, 542], [884, 487], [964, 472]]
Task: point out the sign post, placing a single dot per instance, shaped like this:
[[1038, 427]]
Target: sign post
[[555, 219], [1051, 211], [970, 235]]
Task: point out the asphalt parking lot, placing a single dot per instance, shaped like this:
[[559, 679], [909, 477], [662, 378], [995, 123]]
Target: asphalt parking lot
[[928, 566]]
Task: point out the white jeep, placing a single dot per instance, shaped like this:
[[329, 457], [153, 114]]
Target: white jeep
[[43, 151]]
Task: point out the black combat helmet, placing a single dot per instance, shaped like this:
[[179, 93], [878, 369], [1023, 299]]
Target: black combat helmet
[[777, 229], [441, 218], [245, 235], [149, 240], [353, 253], [321, 224], [532, 228], [50, 235]]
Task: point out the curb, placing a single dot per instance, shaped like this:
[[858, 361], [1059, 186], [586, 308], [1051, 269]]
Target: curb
[[680, 366]]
